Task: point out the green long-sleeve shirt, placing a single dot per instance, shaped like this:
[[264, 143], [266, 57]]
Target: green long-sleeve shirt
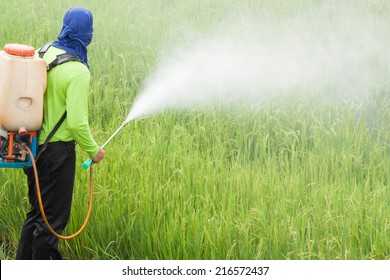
[[67, 89]]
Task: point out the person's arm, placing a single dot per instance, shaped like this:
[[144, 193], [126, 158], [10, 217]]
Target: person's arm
[[77, 114]]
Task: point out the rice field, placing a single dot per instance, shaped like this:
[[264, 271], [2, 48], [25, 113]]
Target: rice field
[[299, 177]]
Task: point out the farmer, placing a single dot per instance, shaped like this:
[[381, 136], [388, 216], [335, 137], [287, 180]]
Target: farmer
[[67, 90]]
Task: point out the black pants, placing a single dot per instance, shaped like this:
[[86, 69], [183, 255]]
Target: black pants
[[56, 171]]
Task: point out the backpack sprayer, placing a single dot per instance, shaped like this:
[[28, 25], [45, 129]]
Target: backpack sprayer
[[22, 85]]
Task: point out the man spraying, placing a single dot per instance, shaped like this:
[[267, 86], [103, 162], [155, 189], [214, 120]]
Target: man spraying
[[65, 107]]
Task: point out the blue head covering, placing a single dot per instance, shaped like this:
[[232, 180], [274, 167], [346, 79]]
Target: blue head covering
[[76, 33]]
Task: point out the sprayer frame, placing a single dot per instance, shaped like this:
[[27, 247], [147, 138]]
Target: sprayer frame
[[32, 144]]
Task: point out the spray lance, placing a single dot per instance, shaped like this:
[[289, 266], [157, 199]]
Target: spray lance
[[88, 162]]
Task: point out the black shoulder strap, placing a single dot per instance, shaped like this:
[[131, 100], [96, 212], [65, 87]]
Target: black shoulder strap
[[62, 58], [44, 49], [58, 124]]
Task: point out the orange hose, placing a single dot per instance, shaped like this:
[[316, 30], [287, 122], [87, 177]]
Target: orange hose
[[38, 193]]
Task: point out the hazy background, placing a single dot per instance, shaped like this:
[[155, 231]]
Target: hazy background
[[336, 52]]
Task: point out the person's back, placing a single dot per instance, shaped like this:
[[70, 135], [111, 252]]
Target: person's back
[[67, 90]]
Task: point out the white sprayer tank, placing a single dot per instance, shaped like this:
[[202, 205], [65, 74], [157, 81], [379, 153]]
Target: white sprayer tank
[[22, 85]]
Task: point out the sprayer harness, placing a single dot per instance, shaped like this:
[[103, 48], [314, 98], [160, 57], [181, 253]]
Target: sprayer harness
[[60, 59]]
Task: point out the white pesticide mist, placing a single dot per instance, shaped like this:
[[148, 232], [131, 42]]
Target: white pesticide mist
[[253, 60]]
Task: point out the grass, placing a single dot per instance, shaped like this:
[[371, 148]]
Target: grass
[[298, 178]]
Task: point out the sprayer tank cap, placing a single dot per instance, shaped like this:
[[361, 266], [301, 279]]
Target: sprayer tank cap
[[19, 50]]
